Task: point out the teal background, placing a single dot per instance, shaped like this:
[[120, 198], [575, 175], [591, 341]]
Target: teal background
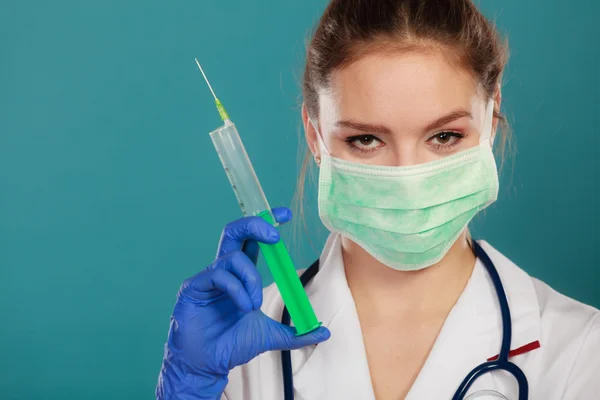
[[111, 193]]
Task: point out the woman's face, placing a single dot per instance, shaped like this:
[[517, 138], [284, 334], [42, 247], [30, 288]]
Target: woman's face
[[399, 110]]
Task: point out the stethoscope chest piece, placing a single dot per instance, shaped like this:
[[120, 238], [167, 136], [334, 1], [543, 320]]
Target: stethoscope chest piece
[[486, 395]]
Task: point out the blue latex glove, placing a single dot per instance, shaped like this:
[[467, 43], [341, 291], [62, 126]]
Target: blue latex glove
[[217, 323]]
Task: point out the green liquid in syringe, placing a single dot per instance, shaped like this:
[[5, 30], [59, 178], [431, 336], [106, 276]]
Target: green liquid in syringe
[[286, 278]]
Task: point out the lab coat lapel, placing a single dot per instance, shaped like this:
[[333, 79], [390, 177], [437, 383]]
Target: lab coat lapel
[[472, 332], [336, 368]]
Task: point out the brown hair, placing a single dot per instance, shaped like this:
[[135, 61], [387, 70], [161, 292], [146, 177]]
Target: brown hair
[[350, 29]]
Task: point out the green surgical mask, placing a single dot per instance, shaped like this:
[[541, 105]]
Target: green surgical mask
[[408, 218]]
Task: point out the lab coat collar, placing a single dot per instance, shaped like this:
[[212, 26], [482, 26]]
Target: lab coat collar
[[471, 334]]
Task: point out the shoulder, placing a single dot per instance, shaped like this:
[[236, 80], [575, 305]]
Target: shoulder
[[569, 332], [569, 328], [557, 310]]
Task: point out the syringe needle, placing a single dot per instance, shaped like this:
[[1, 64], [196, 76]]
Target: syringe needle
[[206, 79], [220, 107]]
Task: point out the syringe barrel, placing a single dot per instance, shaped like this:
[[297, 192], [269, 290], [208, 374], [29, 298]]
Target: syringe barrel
[[252, 200], [242, 177]]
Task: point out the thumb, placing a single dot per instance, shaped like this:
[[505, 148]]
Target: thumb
[[283, 337]]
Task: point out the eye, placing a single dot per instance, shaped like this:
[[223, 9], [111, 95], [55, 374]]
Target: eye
[[364, 143], [445, 140]]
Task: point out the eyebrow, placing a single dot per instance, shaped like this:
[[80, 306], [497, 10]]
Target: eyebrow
[[363, 127], [453, 116]]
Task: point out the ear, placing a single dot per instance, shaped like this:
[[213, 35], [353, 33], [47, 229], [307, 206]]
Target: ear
[[310, 133], [497, 104]]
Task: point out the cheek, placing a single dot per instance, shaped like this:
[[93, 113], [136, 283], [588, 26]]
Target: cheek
[[338, 148]]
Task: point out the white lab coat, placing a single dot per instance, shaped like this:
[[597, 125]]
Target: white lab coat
[[565, 366]]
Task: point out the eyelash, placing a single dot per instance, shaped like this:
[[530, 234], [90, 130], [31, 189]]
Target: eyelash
[[350, 140], [442, 147], [446, 147]]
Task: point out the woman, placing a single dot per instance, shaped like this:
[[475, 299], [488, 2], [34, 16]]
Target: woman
[[401, 108]]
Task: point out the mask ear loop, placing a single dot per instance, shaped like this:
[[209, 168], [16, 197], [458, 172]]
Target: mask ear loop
[[320, 141], [488, 122]]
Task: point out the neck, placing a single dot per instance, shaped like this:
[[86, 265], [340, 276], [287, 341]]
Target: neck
[[386, 292]]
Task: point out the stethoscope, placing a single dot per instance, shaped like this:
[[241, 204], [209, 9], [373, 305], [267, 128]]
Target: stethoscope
[[501, 363]]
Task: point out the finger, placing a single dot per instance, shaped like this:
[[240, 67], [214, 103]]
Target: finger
[[282, 214], [231, 285], [237, 232], [242, 267], [250, 247], [283, 337], [204, 288], [319, 335]]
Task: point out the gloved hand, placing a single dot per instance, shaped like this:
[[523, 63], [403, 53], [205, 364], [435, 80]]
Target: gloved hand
[[217, 323]]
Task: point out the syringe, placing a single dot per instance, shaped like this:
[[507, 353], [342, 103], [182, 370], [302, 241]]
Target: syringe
[[252, 201]]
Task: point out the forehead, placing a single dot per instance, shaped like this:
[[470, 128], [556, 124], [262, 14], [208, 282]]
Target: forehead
[[398, 86]]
